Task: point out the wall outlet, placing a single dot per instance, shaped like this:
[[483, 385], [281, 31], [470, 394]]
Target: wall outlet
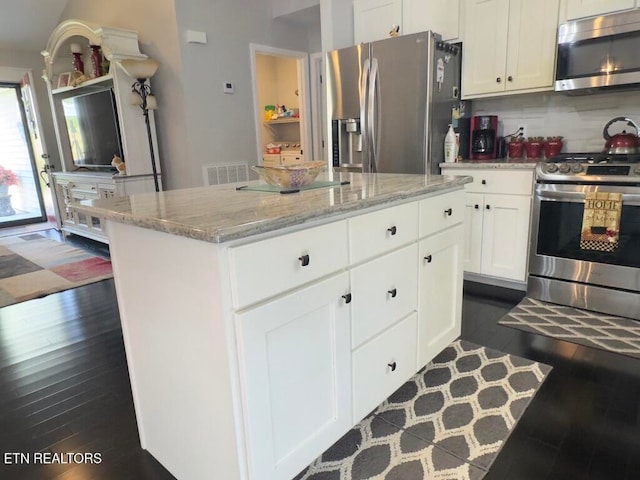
[[522, 131]]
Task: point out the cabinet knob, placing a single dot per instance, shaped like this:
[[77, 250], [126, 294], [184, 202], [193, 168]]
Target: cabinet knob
[[304, 260], [392, 366], [498, 80], [510, 78], [476, 206], [392, 230], [448, 212], [347, 298], [484, 182], [488, 207], [393, 292], [428, 258]]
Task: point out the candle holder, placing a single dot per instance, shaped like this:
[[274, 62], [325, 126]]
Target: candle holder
[[96, 61]]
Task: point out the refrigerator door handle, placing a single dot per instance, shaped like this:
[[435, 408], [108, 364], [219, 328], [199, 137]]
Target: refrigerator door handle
[[373, 112], [363, 112]]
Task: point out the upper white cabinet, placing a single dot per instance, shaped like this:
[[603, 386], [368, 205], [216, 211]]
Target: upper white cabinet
[[509, 46], [441, 16], [375, 19], [589, 8]]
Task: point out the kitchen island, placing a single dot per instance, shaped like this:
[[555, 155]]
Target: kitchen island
[[259, 327]]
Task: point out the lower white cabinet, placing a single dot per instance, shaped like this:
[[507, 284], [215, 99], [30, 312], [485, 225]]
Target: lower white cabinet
[[382, 365], [296, 371], [230, 384], [440, 299], [497, 219]]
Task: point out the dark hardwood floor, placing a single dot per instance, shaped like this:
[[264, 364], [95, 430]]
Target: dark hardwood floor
[[64, 388]]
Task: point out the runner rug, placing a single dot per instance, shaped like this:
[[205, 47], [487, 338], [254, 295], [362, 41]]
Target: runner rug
[[592, 329], [448, 422], [33, 265]]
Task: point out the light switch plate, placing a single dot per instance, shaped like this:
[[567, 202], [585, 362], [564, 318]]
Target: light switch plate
[[194, 36]]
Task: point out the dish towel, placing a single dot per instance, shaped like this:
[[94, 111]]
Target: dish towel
[[601, 221]]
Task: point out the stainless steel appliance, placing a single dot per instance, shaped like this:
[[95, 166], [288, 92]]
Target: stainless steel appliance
[[391, 103], [560, 270], [599, 53]]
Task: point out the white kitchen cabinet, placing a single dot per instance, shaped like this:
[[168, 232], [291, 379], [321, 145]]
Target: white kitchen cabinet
[[440, 16], [382, 365], [296, 366], [267, 375], [374, 19], [589, 8], [440, 299], [509, 46], [497, 220]]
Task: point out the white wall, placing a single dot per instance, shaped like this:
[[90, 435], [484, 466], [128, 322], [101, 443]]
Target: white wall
[[155, 22], [221, 127], [579, 119], [337, 21]]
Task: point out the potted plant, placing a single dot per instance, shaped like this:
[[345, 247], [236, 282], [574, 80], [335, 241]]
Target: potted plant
[[552, 146], [515, 147], [7, 178], [533, 147]]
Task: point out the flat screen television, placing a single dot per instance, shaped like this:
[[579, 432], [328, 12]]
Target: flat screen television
[[93, 129]]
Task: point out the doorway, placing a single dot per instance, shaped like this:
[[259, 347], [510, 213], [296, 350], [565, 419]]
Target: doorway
[[21, 199], [282, 109]]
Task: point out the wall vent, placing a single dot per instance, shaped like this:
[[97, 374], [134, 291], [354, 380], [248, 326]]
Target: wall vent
[[219, 174]]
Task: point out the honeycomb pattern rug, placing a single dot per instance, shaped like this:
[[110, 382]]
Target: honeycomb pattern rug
[[592, 329], [448, 422], [33, 265]]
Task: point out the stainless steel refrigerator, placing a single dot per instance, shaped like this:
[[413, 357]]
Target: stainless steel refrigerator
[[391, 102]]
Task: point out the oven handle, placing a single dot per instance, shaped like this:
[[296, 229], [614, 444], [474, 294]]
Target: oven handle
[[578, 196]]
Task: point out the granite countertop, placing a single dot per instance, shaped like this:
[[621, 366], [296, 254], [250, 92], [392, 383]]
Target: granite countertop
[[497, 164], [222, 213]]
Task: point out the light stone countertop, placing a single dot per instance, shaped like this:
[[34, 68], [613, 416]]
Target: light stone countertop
[[496, 164], [221, 213]]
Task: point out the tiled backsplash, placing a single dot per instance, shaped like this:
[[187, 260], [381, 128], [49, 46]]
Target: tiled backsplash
[[579, 119]]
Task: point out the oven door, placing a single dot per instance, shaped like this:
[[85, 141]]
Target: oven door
[[555, 242]]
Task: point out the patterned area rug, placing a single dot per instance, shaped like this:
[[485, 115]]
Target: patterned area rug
[[33, 266], [448, 422], [592, 329]]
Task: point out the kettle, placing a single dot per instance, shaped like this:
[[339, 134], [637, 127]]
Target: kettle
[[621, 142]]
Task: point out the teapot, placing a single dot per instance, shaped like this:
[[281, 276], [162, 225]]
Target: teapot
[[621, 142]]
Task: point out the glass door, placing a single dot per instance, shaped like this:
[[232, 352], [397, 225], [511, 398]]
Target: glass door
[[20, 194]]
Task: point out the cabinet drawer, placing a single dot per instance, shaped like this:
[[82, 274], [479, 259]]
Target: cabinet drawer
[[514, 182], [291, 158], [262, 269], [383, 291], [379, 232], [441, 212], [381, 366]]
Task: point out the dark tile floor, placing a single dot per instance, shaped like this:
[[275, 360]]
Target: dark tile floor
[[64, 387], [584, 423]]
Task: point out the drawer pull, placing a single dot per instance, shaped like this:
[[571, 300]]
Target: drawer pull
[[484, 182], [304, 260], [428, 258], [392, 366], [448, 212], [488, 207], [476, 206], [393, 292], [347, 298], [498, 80], [392, 230]]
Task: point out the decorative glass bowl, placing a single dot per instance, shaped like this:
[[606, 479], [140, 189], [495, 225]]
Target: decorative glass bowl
[[295, 175]]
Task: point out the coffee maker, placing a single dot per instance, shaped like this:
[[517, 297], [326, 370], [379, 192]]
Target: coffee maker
[[484, 136]]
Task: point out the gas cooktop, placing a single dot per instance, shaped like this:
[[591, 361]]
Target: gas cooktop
[[590, 168]]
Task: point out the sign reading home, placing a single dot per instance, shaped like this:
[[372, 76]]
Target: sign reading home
[[601, 221]]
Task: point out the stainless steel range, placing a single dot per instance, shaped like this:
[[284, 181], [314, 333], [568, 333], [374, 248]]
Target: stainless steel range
[[564, 267]]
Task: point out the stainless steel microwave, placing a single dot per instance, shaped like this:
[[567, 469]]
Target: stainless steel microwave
[[601, 53]]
